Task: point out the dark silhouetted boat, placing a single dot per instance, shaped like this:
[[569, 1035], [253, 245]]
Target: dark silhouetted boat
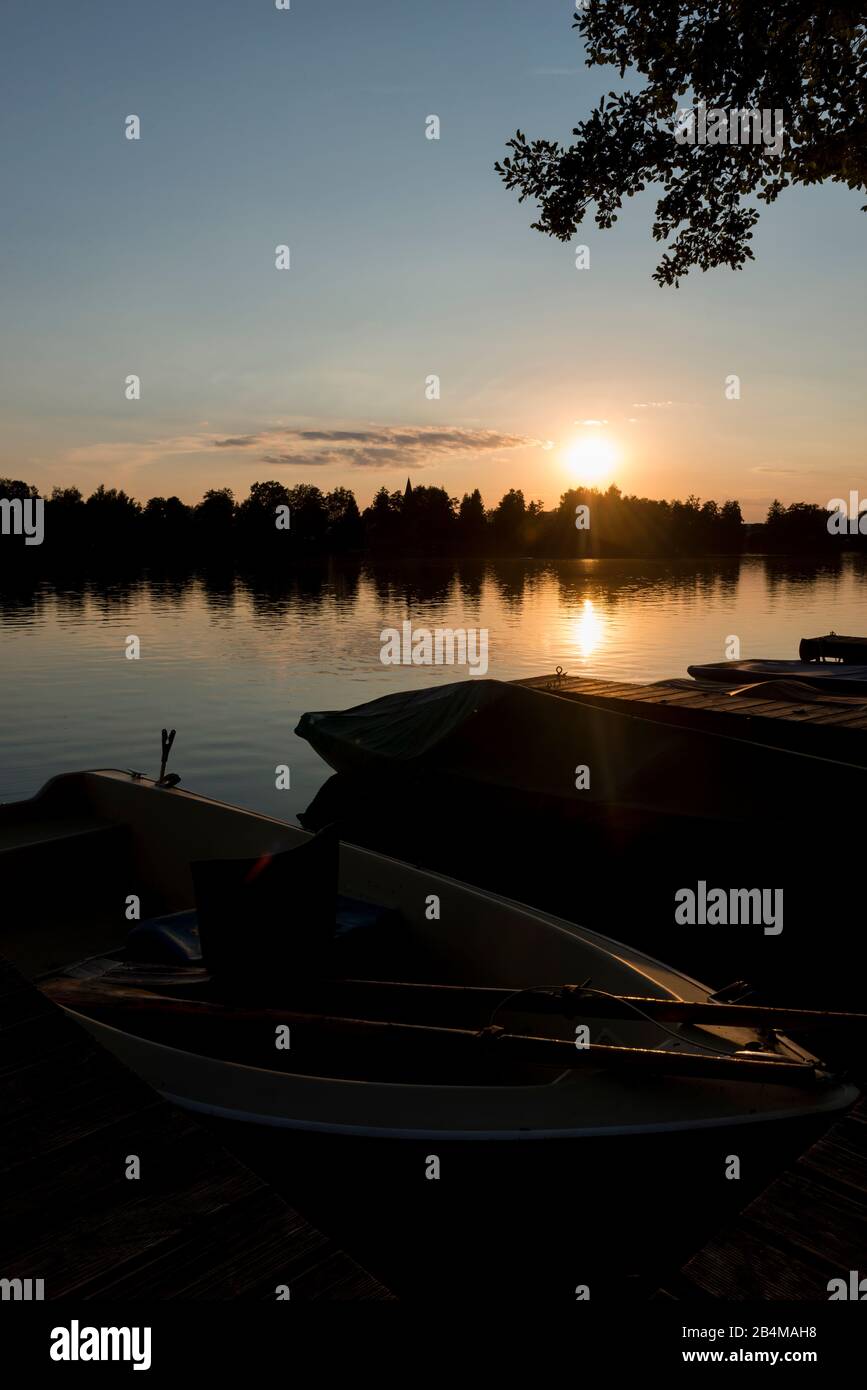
[[391, 1002], [832, 664], [530, 742]]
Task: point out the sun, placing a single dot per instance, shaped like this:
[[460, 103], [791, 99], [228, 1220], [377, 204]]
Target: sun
[[592, 458]]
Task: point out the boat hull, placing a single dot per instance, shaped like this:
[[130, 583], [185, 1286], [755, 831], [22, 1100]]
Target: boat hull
[[573, 1106], [474, 938]]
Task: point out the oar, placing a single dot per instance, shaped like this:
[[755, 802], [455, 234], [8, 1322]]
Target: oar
[[579, 1001], [453, 1003], [465, 1043]]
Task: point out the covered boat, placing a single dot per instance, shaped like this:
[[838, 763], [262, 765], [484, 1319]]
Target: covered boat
[[833, 647], [531, 744], [834, 677]]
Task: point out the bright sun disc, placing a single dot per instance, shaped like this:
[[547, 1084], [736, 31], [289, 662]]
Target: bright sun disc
[[591, 459]]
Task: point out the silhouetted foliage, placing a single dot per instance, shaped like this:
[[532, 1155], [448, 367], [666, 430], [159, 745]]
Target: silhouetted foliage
[[472, 524], [15, 488], [214, 520], [801, 528], [804, 59], [419, 522], [113, 521], [428, 523], [382, 520], [344, 529]]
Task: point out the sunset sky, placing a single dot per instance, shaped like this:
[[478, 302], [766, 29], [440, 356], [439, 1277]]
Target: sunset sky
[[408, 258]]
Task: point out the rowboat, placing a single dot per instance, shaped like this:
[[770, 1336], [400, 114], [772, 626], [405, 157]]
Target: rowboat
[[433, 1010]]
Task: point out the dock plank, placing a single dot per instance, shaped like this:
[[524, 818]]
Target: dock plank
[[197, 1224], [824, 727], [770, 1251]]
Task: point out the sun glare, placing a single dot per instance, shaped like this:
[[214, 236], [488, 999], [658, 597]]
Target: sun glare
[[591, 459], [588, 630]]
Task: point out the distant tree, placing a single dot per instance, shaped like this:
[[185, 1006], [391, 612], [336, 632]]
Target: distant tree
[[66, 497], [309, 516], [112, 520], [65, 520], [167, 526], [427, 521], [112, 499], [14, 488], [217, 503], [806, 59], [266, 498], [344, 519], [508, 522], [731, 529], [472, 526], [382, 520], [213, 521], [257, 521], [799, 529], [775, 525]]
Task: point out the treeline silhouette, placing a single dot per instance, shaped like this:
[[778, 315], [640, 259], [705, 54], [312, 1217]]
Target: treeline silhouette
[[418, 521]]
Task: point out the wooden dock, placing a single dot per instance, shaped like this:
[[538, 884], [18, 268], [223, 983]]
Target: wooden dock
[[808, 1227], [196, 1224], [830, 726]]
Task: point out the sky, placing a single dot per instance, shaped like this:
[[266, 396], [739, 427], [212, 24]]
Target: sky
[[408, 259]]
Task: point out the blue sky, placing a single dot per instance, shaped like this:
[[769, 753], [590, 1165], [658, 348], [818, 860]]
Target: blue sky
[[409, 258]]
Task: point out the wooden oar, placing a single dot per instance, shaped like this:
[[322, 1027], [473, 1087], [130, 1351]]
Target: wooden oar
[[451, 1003], [120, 1004], [578, 1001]]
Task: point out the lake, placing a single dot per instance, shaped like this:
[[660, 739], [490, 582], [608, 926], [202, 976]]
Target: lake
[[232, 662]]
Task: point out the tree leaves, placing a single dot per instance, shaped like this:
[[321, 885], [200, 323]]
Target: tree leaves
[[807, 60]]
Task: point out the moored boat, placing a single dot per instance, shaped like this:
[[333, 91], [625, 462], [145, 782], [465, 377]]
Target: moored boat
[[835, 678], [531, 743], [832, 664], [434, 1010]]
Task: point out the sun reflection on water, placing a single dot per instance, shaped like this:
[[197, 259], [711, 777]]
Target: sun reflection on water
[[588, 630]]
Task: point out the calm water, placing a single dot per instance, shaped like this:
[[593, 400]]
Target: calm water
[[231, 665]]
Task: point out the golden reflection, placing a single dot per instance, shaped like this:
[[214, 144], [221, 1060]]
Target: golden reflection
[[589, 629]]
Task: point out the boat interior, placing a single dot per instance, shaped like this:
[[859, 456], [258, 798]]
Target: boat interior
[[79, 852]]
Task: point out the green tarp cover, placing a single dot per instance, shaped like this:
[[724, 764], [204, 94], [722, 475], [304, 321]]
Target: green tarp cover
[[403, 726]]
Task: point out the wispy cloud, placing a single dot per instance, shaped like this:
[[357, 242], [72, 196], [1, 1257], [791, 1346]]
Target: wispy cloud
[[356, 458], [377, 446], [371, 446], [797, 472]]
